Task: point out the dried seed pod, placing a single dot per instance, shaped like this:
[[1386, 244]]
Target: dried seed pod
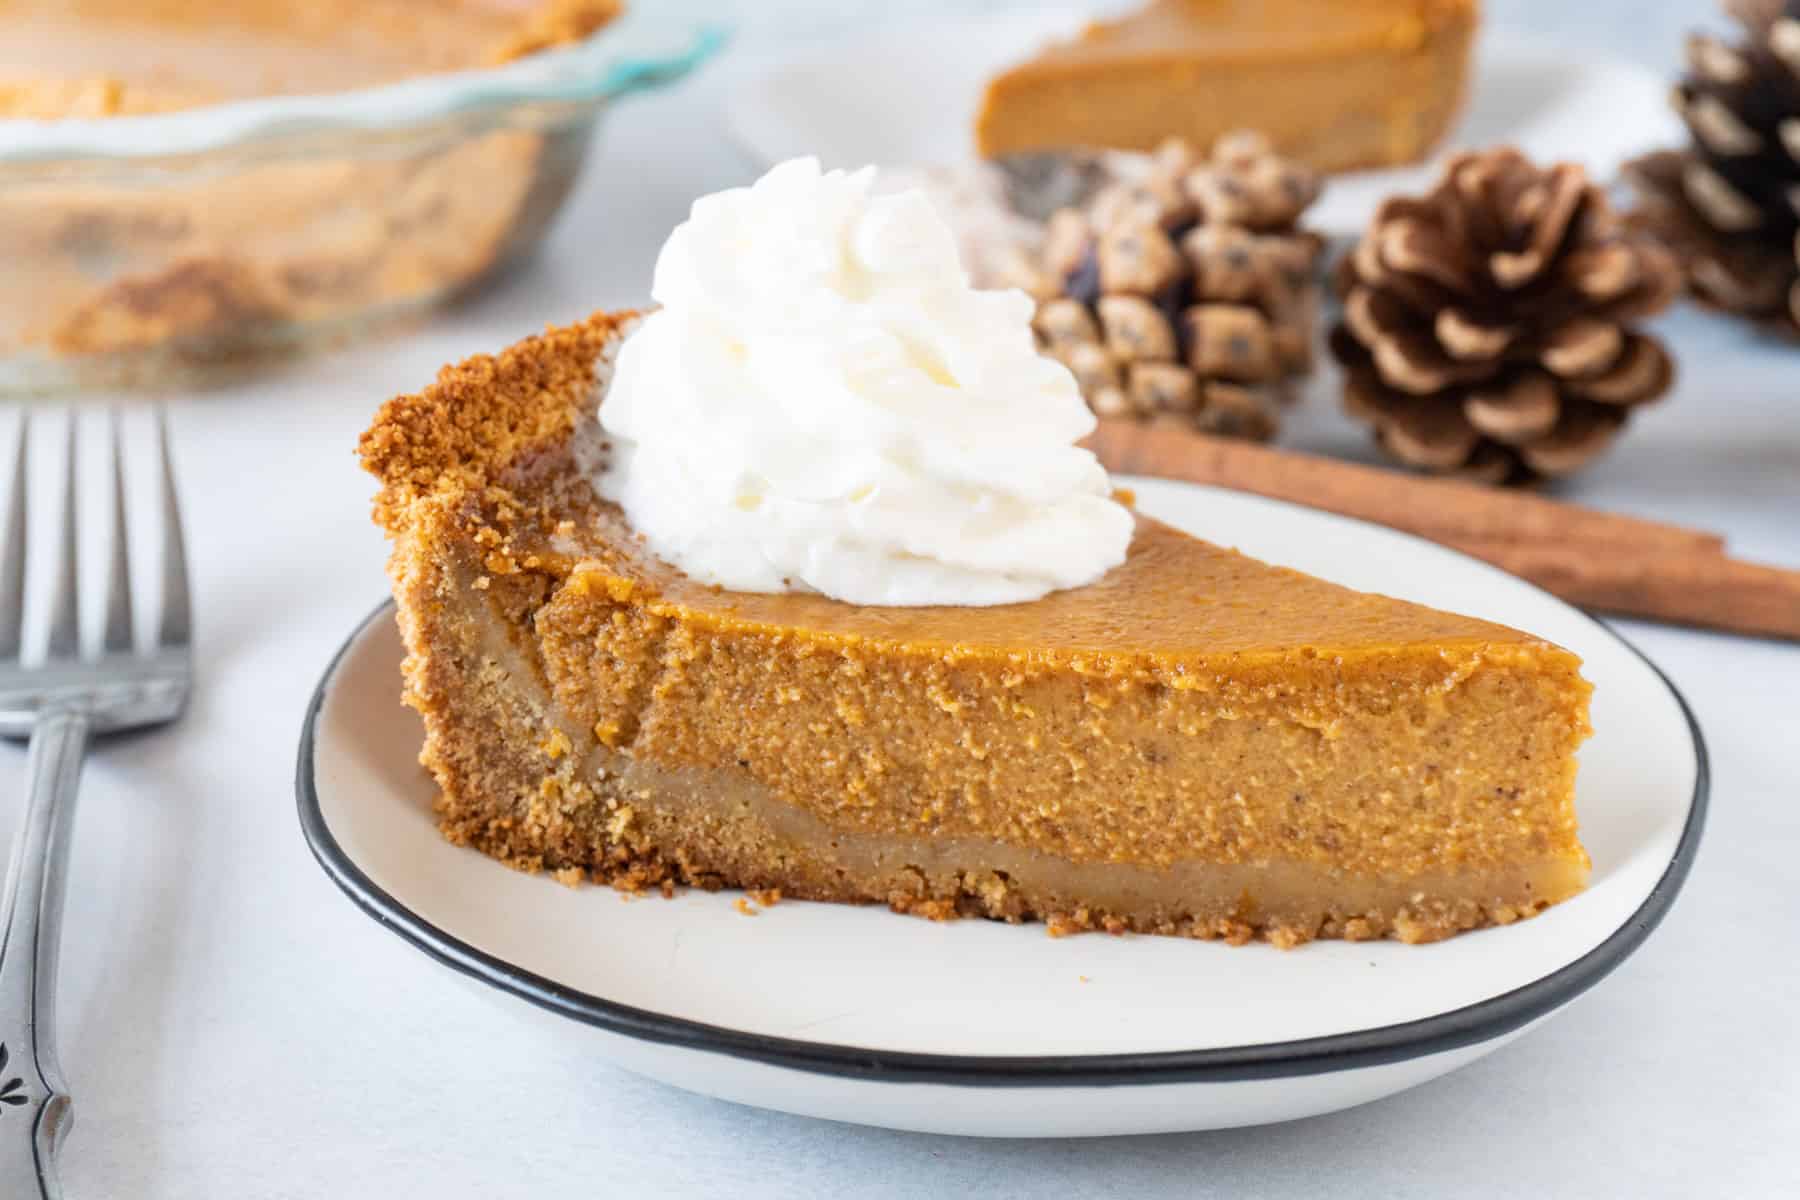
[[1164, 387], [1147, 265], [1230, 341], [1153, 200], [1140, 260], [1246, 184], [1729, 204], [1488, 324], [1094, 367], [1226, 263], [1174, 158], [1068, 235], [1232, 410], [1136, 330], [1065, 320]]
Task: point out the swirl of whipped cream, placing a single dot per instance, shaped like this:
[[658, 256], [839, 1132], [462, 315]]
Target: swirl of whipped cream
[[823, 402]]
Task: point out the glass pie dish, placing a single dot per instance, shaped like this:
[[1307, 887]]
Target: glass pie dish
[[190, 186]]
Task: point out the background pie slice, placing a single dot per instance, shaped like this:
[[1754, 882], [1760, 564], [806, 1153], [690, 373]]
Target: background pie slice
[[1337, 84]]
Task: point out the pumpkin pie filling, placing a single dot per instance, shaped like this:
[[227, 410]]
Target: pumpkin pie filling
[[1197, 744], [727, 827]]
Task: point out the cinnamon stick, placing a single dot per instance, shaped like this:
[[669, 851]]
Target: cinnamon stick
[[1710, 591], [1600, 560]]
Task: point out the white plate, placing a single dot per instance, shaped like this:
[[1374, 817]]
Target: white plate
[[983, 1028], [909, 98]]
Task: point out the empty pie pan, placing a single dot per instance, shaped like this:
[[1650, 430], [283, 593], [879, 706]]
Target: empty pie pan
[[142, 250]]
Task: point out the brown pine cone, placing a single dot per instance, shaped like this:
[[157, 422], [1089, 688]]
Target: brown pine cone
[[1187, 295], [1487, 325], [1729, 205]]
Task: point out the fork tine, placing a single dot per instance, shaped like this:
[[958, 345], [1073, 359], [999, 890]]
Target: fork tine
[[177, 617], [12, 565], [118, 587], [65, 612]]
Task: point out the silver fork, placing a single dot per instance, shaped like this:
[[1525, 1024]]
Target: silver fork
[[59, 699]]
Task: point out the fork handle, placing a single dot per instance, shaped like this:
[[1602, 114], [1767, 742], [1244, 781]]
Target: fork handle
[[34, 1106]]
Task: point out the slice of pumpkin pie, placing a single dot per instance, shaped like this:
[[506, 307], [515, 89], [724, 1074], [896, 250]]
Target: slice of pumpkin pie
[[1337, 84], [785, 586]]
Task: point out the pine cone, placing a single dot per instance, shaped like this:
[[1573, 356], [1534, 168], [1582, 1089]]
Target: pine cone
[[1729, 205], [1485, 326], [1186, 295]]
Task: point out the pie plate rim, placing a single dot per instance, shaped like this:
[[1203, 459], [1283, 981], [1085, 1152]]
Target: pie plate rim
[[1485, 1021]]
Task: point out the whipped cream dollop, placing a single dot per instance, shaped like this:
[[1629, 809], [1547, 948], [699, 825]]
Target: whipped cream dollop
[[822, 402]]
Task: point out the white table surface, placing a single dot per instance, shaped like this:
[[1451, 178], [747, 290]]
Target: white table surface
[[232, 1027]]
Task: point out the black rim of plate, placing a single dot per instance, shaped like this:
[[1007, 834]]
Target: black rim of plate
[[1467, 1026]]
